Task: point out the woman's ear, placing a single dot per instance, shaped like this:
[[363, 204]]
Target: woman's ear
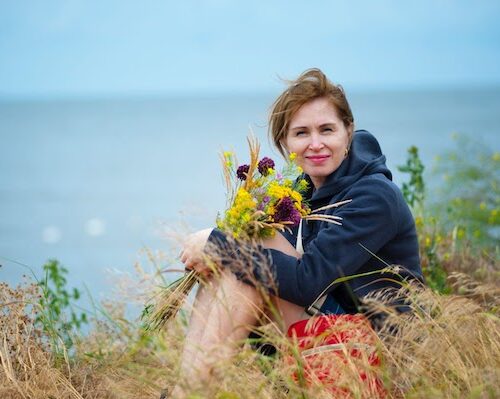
[[351, 129], [350, 132]]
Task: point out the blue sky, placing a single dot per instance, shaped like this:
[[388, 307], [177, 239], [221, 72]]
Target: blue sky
[[93, 48]]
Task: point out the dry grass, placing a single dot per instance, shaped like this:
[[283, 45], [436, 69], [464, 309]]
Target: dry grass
[[448, 348]]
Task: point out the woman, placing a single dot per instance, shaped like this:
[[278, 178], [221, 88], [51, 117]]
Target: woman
[[312, 119]]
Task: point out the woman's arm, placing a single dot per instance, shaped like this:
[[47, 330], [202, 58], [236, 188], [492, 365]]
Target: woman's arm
[[369, 221]]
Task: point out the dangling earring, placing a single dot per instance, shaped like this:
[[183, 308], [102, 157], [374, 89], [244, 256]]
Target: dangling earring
[[346, 152]]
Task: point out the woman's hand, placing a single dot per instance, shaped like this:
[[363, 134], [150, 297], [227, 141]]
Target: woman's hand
[[192, 253]]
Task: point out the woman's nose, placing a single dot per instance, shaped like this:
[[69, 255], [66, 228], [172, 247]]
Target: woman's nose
[[316, 142]]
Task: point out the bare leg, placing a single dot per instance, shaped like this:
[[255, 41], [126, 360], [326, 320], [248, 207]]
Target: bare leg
[[224, 311]]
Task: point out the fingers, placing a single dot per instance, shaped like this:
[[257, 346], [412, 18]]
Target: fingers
[[194, 263], [183, 256], [192, 253], [186, 259], [199, 267]]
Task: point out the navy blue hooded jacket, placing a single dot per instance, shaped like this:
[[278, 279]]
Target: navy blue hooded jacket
[[377, 229]]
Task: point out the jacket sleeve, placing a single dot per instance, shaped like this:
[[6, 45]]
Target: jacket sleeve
[[370, 220]]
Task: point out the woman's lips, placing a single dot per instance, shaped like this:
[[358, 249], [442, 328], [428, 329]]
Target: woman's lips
[[317, 159]]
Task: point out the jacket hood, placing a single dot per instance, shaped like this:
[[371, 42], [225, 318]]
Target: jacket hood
[[365, 158]]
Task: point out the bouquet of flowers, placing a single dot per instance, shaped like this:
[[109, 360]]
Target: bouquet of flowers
[[260, 201]]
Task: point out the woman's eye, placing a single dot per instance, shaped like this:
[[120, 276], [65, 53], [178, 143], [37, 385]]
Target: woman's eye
[[300, 133], [328, 130]]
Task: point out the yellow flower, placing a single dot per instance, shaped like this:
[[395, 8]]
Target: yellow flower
[[496, 157], [303, 185], [296, 196], [241, 211], [482, 206], [303, 212], [428, 241], [292, 156], [228, 157], [493, 218], [232, 213], [419, 222], [243, 197], [299, 169], [276, 191]]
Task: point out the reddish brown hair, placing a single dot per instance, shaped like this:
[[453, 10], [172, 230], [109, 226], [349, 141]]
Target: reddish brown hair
[[310, 85]]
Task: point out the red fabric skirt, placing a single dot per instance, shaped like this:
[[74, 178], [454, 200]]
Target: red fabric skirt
[[335, 349]]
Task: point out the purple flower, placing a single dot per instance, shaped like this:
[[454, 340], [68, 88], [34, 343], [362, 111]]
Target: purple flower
[[295, 217], [286, 212], [264, 202], [264, 165], [242, 172]]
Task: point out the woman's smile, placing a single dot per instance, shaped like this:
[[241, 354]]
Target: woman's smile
[[317, 159]]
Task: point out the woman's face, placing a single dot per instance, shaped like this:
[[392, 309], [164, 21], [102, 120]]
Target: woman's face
[[319, 138]]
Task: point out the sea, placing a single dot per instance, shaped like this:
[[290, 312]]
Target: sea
[[109, 186]]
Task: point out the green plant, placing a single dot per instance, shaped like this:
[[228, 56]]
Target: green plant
[[428, 230], [469, 191], [414, 189], [431, 243], [58, 317]]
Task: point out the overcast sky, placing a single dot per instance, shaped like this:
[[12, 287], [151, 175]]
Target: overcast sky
[[103, 47]]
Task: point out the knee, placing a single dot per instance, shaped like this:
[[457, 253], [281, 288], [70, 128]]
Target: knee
[[235, 291], [280, 243]]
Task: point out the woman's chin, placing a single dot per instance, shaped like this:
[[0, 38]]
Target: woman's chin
[[319, 173]]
